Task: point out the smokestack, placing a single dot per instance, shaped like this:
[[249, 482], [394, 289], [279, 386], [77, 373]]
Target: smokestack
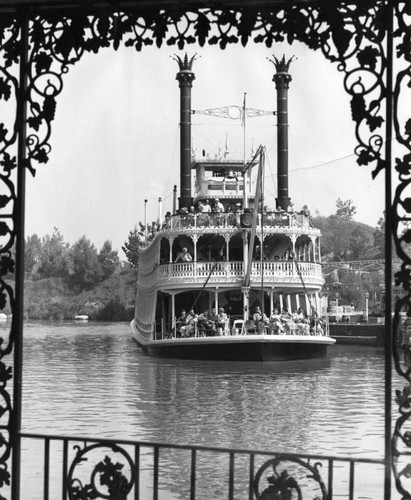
[[282, 79], [185, 79]]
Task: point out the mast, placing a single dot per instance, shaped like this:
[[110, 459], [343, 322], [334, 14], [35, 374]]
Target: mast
[[282, 80], [185, 78]]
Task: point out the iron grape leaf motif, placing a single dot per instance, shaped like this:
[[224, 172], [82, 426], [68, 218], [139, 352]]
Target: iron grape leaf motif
[[406, 237], [404, 48], [111, 476], [281, 488], [41, 156], [381, 165], [43, 62], [38, 35], [4, 476], [5, 89], [407, 438], [403, 166], [403, 278], [12, 53], [6, 265], [4, 200], [5, 374], [403, 398], [406, 203], [368, 57], [406, 472], [49, 108], [3, 132], [4, 228], [365, 156], [3, 300], [246, 25], [202, 29]]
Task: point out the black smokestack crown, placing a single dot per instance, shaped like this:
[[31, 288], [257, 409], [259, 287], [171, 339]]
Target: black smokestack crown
[[282, 80], [185, 78]]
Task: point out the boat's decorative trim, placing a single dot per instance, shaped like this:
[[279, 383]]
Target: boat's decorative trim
[[231, 273]]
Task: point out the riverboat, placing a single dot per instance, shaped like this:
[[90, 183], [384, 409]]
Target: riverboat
[[247, 278]]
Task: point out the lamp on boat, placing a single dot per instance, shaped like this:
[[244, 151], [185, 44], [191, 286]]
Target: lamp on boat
[[230, 175]]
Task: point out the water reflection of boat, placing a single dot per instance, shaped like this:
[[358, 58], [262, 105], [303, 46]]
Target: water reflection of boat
[[207, 275]]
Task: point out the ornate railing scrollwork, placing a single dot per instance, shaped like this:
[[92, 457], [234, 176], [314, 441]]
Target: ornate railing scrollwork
[[289, 478], [100, 471]]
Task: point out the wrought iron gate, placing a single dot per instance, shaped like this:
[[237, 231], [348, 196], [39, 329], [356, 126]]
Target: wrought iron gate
[[370, 43]]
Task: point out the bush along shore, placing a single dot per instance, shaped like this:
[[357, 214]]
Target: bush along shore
[[109, 300]]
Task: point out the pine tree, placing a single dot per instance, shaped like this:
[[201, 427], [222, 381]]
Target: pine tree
[[131, 246]]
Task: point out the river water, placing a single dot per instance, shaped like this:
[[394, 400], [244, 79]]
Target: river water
[[91, 379]]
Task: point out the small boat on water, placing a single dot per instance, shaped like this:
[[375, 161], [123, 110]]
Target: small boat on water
[[235, 280], [81, 317]]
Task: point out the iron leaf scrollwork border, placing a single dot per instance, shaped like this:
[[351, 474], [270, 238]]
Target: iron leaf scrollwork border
[[349, 34]]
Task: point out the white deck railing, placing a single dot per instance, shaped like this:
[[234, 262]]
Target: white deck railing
[[273, 271], [204, 220]]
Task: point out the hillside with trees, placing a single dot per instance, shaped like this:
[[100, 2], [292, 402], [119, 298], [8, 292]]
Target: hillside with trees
[[345, 240], [62, 280]]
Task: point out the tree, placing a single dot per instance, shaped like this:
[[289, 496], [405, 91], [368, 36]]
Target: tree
[[379, 238], [360, 243], [53, 257], [345, 209], [108, 259], [131, 246], [84, 267], [32, 256]]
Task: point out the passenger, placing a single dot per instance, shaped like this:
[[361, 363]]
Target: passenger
[[188, 330], [260, 320], [184, 256], [213, 320], [317, 326], [206, 207], [181, 321], [276, 326], [191, 216], [205, 326], [290, 328], [167, 219], [238, 212], [222, 322], [203, 217], [218, 206], [301, 322]]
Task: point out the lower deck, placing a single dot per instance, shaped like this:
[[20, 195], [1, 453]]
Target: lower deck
[[250, 347]]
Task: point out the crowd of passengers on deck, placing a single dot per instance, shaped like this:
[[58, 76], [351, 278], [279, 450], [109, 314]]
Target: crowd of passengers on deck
[[204, 214], [212, 323]]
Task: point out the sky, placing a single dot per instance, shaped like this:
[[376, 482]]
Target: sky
[[115, 138]]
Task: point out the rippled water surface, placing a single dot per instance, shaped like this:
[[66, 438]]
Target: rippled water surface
[[91, 379]]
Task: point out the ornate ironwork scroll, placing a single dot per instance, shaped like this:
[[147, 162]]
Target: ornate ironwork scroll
[[401, 216], [284, 478], [350, 34], [101, 471]]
